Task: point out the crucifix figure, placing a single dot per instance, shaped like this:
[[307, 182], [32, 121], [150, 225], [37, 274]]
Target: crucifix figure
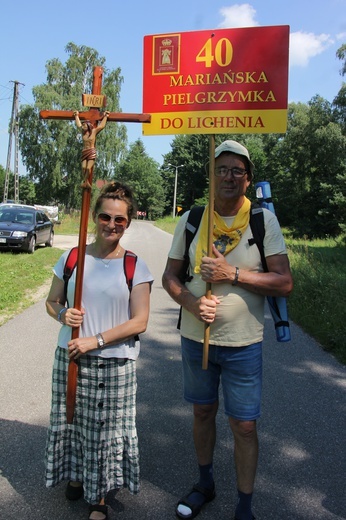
[[93, 120], [89, 134]]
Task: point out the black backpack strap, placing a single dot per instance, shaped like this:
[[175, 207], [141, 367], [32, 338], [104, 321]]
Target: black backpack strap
[[258, 231], [192, 224]]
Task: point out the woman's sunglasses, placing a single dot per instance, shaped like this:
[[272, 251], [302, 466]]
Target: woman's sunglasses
[[104, 218]]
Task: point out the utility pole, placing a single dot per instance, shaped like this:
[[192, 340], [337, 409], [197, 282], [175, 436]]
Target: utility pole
[[175, 187], [13, 131]]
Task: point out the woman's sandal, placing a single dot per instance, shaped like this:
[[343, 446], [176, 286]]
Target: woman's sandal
[[73, 492], [99, 508], [209, 495]]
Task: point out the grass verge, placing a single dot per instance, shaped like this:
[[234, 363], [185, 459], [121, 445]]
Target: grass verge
[[69, 225], [24, 279], [318, 300], [167, 224]]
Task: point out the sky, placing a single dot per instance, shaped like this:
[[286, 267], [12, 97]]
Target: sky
[[34, 32]]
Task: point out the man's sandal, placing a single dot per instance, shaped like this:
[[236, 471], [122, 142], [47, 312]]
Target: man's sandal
[[208, 494], [99, 508]]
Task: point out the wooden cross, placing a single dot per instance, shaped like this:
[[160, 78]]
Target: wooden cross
[[94, 101]]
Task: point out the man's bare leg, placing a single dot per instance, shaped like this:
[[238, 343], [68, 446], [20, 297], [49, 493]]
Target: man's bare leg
[[245, 458], [204, 436], [204, 431]]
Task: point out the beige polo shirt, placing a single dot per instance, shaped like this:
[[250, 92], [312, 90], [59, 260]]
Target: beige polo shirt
[[240, 315]]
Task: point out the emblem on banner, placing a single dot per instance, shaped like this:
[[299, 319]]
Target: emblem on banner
[[166, 54]]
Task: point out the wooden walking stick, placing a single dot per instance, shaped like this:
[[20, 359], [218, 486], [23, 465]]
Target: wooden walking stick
[[210, 241], [95, 119], [83, 230]]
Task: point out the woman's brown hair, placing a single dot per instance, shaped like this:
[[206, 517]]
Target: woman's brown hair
[[117, 191]]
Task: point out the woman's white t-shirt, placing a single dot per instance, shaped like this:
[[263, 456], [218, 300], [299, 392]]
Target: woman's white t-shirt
[[105, 298]]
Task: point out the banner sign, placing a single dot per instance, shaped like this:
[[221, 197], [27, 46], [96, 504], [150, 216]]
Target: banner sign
[[214, 82]]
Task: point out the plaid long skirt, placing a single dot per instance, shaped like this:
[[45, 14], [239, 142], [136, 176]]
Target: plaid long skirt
[[100, 448]]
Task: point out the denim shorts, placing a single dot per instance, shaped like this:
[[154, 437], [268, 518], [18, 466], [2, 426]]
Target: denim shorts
[[238, 368]]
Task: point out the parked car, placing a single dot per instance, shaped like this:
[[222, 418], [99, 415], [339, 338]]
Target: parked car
[[23, 227]]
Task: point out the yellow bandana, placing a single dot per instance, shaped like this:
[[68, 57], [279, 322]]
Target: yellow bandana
[[224, 238]]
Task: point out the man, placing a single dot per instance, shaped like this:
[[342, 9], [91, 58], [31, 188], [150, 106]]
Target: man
[[235, 312]]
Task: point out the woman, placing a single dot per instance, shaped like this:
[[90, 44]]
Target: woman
[[99, 451]]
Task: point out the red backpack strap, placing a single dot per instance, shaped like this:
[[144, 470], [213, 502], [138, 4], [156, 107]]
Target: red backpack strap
[[70, 264], [130, 260]]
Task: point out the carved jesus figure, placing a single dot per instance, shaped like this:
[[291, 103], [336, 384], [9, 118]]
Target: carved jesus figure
[[89, 134]]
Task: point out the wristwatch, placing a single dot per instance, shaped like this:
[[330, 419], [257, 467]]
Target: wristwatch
[[100, 340]]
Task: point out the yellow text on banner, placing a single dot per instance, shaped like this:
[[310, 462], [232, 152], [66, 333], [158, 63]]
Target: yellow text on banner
[[217, 122]]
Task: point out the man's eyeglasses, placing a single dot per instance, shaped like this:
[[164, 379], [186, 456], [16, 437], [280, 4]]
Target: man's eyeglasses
[[104, 218], [237, 173]]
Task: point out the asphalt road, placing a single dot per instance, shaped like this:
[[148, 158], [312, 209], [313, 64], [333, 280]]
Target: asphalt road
[[302, 467]]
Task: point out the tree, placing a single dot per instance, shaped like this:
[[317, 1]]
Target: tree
[[340, 100], [27, 190], [51, 149], [2, 182], [190, 152], [142, 173], [341, 54], [332, 186], [303, 164]]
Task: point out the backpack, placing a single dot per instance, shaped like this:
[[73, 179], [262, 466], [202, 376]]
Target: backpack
[[129, 264], [277, 305], [130, 260]]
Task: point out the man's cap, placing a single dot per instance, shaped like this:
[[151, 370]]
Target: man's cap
[[234, 147]]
